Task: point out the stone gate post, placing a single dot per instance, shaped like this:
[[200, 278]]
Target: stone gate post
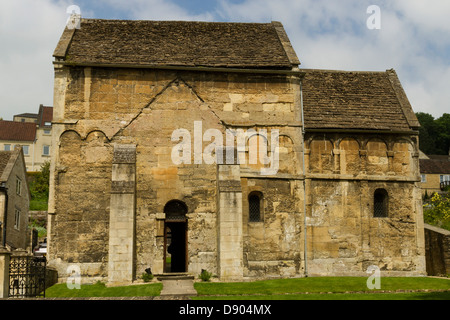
[[5, 257]]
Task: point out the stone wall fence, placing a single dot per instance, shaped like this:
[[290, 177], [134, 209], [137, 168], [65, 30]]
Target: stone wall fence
[[437, 246]]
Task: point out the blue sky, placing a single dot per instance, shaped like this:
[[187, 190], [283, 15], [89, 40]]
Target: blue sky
[[414, 39]]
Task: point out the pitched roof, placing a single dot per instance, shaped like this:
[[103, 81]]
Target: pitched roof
[[8, 160], [26, 115], [178, 43], [5, 156], [356, 100], [17, 131], [45, 116], [432, 166]]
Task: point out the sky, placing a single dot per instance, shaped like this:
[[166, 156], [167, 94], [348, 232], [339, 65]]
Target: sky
[[410, 36]]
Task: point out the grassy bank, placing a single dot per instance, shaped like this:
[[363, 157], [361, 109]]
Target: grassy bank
[[99, 290], [326, 288], [314, 288]]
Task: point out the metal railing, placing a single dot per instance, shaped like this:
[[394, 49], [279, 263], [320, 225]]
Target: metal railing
[[27, 276]]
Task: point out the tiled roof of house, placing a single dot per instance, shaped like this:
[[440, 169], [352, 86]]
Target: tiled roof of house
[[356, 100], [27, 115], [7, 162], [178, 43], [5, 156], [17, 131], [432, 166], [45, 116]]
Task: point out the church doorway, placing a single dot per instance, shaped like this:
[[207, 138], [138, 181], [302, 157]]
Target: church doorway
[[175, 237]]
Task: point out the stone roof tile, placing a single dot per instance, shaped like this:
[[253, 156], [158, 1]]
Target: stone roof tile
[[177, 43], [355, 100]]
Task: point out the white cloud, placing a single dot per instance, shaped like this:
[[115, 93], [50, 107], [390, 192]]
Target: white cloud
[[414, 39], [29, 32]]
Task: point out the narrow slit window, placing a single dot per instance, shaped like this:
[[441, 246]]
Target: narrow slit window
[[380, 204], [254, 207]]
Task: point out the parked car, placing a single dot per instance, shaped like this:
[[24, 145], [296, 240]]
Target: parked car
[[41, 251]]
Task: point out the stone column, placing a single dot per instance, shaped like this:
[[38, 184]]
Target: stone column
[[5, 257], [229, 221], [122, 216]]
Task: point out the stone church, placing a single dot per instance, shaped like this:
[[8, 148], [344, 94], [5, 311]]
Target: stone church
[[156, 127]]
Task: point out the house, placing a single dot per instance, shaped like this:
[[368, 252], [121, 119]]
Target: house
[[435, 174], [200, 145], [33, 133], [14, 200]]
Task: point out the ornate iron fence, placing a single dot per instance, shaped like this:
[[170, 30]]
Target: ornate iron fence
[[27, 276]]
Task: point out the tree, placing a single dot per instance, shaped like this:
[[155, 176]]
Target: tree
[[434, 134], [39, 188], [443, 137], [40, 184]]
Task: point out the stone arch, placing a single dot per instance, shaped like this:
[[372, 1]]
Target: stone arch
[[70, 148], [380, 203], [96, 148], [377, 156], [175, 236], [256, 141], [321, 155], [350, 162], [255, 206], [403, 150], [175, 210], [287, 156]]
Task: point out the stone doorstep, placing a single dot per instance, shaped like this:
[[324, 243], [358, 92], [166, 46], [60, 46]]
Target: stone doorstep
[[174, 276], [177, 284]]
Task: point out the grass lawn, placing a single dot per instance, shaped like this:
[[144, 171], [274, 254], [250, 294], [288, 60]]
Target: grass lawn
[[337, 296], [287, 289], [39, 204], [100, 290], [313, 288]]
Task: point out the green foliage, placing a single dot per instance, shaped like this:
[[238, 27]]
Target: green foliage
[[39, 188], [205, 275], [284, 287], [101, 290], [434, 134], [437, 211], [147, 277], [40, 227]]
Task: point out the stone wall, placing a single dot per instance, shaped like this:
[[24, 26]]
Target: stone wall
[[16, 236], [437, 244], [157, 111], [96, 109], [344, 236]]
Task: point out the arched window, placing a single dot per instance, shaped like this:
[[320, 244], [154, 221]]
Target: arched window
[[175, 211], [254, 207], [380, 203]]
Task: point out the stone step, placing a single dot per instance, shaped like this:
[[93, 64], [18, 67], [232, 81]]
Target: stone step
[[174, 276], [177, 287]]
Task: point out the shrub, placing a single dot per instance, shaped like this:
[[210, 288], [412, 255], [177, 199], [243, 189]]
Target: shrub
[[147, 277], [437, 211], [205, 275]]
